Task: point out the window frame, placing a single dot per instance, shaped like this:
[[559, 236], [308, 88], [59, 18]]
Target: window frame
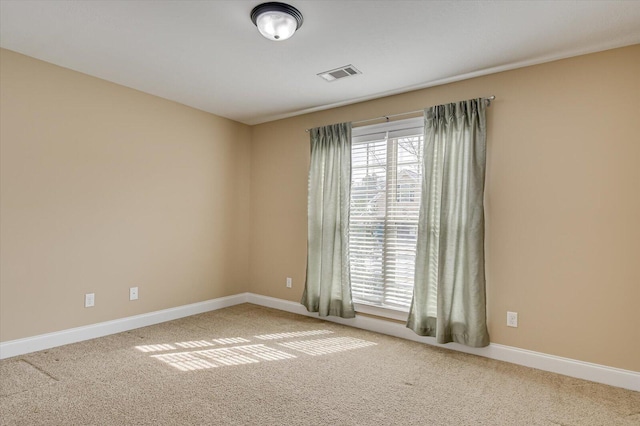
[[389, 130]]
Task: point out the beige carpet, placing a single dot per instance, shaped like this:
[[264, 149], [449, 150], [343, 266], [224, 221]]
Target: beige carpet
[[249, 365]]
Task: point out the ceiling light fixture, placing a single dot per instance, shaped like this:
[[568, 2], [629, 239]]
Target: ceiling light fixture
[[276, 21]]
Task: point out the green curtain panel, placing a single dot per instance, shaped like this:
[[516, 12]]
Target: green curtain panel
[[328, 285], [449, 299]]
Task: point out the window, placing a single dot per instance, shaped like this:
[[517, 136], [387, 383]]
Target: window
[[386, 183]]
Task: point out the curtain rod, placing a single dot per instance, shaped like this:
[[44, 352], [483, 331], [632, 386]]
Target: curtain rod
[[386, 117]]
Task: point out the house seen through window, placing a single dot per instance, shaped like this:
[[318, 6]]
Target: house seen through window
[[386, 161]]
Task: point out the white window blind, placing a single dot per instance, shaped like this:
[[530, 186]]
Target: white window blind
[[385, 202]]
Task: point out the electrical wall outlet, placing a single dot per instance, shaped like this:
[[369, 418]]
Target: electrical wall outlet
[[133, 293], [289, 282], [89, 300], [512, 319]]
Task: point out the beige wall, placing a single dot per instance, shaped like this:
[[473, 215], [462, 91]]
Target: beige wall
[[562, 202], [104, 188]]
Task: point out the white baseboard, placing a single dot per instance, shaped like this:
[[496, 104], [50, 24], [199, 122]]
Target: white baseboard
[[78, 334], [569, 367], [566, 366]]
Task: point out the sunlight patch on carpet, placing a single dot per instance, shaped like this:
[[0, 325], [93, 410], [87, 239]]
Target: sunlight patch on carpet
[[212, 358], [249, 354], [292, 334], [195, 344], [155, 348], [231, 340], [327, 346]]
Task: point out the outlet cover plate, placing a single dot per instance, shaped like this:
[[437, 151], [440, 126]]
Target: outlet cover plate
[[89, 300], [133, 293], [512, 319], [289, 282]]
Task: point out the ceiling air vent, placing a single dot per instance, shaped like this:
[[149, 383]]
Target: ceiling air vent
[[338, 73]]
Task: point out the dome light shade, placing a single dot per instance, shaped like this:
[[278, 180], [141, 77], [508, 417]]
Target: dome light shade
[[276, 21]]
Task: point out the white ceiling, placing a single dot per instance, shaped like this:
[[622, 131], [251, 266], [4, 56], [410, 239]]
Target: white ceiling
[[209, 55]]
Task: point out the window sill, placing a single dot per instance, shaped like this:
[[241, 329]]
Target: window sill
[[381, 312]]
